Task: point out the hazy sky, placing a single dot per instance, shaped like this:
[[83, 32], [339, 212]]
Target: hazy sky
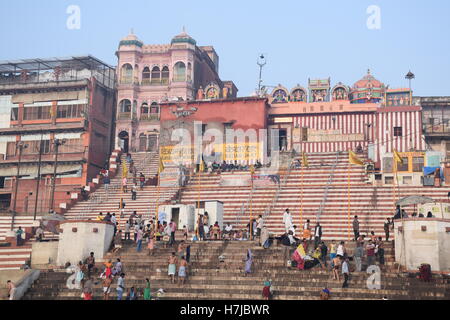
[[301, 39]]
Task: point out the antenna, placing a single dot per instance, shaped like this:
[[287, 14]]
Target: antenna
[[261, 62]]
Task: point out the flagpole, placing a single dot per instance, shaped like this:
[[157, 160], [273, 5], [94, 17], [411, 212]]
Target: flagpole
[[160, 169], [301, 193], [124, 173], [393, 183], [348, 201]]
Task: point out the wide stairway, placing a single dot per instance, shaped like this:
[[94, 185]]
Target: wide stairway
[[147, 199], [14, 257], [211, 279], [305, 192]]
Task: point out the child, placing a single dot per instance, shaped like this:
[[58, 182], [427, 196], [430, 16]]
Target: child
[[267, 290], [186, 233], [106, 288]]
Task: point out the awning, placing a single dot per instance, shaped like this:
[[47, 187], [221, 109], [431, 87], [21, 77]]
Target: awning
[[32, 170]]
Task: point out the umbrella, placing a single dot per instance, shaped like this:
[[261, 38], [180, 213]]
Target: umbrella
[[414, 200], [51, 222]]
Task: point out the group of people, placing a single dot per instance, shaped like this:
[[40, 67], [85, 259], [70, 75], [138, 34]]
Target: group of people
[[85, 280], [229, 166]]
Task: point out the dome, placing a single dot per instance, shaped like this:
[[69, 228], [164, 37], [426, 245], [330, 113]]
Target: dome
[[131, 40], [183, 37], [368, 81]]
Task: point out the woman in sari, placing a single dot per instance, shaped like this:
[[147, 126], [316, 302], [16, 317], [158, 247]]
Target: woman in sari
[[79, 275], [108, 268], [147, 290], [265, 237], [248, 262]]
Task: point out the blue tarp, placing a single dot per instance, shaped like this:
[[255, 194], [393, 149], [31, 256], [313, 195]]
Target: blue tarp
[[431, 170]]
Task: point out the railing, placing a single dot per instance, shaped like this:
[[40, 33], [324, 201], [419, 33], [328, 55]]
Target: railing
[[179, 79], [436, 129], [281, 185], [149, 117], [124, 116], [327, 188], [245, 205], [155, 82]]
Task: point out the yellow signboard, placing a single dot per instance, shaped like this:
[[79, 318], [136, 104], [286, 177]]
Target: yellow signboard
[[229, 152]]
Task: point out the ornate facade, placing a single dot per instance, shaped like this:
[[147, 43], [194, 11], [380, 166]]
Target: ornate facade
[[151, 74]]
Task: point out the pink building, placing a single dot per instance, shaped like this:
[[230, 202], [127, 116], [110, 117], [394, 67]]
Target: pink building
[[151, 74]]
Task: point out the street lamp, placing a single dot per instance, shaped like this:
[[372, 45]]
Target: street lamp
[[57, 143], [20, 146], [261, 63], [410, 76]]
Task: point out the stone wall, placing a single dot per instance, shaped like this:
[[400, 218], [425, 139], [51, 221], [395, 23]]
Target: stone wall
[[423, 240], [78, 238]]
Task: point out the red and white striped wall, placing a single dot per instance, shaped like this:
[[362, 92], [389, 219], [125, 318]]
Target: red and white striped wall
[[409, 119], [376, 127]]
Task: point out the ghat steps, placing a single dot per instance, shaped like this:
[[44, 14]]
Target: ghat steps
[[210, 279]]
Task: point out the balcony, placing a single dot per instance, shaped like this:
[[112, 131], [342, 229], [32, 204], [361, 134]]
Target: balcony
[[124, 116], [155, 82], [437, 130], [149, 117]]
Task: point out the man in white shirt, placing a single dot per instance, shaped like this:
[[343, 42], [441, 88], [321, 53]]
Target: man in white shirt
[[287, 220], [127, 230], [259, 225], [293, 229], [291, 238], [113, 218], [227, 230]]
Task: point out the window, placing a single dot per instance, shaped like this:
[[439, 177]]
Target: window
[[70, 111], [76, 145], [36, 113], [407, 180], [403, 166], [388, 180], [418, 163], [125, 106], [33, 147], [126, 74], [156, 75], [146, 76], [397, 131], [14, 114], [154, 109], [387, 165], [189, 72], [179, 71], [165, 75], [144, 108]]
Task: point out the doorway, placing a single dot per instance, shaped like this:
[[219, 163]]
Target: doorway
[[176, 216], [282, 139], [124, 137]]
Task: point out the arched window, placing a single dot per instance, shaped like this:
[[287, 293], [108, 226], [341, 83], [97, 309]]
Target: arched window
[[146, 76], [126, 74], [125, 106], [156, 75], [179, 72], [144, 111], [136, 74], [154, 108], [189, 72], [165, 75]]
